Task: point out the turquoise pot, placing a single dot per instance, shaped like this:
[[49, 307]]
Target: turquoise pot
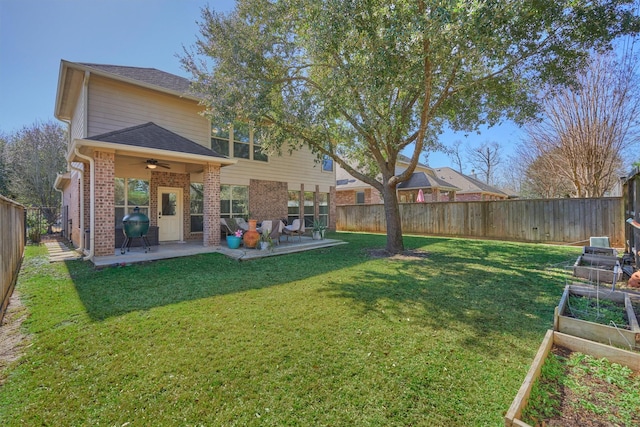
[[233, 242]]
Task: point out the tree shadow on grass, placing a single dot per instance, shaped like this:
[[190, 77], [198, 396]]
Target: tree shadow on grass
[[501, 288], [490, 289], [118, 290]]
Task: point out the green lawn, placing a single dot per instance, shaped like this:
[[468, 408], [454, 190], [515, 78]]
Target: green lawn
[[327, 337]]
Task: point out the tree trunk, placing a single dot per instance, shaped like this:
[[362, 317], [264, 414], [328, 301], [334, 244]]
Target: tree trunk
[[395, 244]]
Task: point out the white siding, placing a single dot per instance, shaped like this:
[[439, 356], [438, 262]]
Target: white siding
[[114, 105]]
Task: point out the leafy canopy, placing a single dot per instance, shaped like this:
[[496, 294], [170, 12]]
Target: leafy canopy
[[362, 80]]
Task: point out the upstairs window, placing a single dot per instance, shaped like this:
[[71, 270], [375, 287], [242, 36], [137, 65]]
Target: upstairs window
[[220, 139], [327, 164], [237, 140]]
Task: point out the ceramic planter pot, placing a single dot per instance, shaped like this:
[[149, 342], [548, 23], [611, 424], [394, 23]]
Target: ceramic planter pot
[[251, 237], [233, 242]]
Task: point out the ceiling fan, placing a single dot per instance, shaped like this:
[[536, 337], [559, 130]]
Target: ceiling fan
[[153, 163]]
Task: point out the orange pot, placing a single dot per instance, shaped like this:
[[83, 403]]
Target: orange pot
[[251, 237]]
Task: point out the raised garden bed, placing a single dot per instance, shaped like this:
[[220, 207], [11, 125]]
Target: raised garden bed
[[598, 251], [603, 315], [597, 268], [569, 344]]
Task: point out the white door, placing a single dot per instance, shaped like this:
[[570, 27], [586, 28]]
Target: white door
[[169, 214]]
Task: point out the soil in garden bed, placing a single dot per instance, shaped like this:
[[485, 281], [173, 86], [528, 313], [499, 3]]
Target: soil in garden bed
[[579, 390], [603, 311]]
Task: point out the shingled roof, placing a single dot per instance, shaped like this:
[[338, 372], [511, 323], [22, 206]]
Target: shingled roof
[[149, 76], [422, 180], [150, 135], [467, 184]]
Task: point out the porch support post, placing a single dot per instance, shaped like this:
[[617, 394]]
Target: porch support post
[[211, 209], [104, 193]]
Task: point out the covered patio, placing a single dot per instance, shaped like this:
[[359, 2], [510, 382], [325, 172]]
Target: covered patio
[[194, 247]]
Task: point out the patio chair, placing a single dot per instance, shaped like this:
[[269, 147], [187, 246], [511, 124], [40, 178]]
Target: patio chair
[[244, 225], [295, 229], [275, 228], [225, 229]]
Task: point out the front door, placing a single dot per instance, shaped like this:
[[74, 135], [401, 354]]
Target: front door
[[169, 214]]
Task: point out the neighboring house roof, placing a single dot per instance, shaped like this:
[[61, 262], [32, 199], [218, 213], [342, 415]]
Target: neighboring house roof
[[404, 159], [419, 179], [422, 180], [466, 183], [150, 135]]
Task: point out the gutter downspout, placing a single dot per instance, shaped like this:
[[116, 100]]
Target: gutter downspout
[[92, 216], [81, 172], [80, 214]]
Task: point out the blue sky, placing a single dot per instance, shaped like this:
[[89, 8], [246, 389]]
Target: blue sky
[[36, 34]]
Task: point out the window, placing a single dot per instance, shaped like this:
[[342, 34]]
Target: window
[[293, 207], [327, 164], [360, 197], [234, 201], [258, 154], [309, 208], [130, 193], [241, 142], [238, 141], [323, 208], [220, 139], [196, 208]]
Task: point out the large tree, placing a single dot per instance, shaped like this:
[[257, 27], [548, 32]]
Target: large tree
[[362, 80], [586, 129], [36, 154]]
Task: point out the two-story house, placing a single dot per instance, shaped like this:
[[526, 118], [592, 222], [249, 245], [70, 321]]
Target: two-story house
[[137, 138]]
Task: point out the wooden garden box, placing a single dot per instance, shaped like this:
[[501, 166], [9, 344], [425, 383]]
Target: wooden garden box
[[598, 268], [619, 337], [598, 251], [598, 350]]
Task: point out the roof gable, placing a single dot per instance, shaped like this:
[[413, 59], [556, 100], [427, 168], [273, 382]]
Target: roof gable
[[150, 135], [148, 76]]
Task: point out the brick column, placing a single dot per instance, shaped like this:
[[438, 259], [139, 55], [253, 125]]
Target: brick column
[[211, 200], [105, 223]]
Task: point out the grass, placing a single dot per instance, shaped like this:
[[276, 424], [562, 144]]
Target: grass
[[325, 337]]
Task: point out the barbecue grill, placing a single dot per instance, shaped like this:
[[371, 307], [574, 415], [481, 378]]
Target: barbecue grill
[[135, 225]]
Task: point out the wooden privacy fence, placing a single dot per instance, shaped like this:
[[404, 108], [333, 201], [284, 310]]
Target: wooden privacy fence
[[12, 240], [570, 221]]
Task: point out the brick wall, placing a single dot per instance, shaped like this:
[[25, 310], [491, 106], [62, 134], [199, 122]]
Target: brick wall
[[104, 238], [171, 179], [348, 197], [268, 199], [211, 209]]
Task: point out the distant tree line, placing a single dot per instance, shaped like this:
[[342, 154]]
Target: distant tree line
[[30, 160]]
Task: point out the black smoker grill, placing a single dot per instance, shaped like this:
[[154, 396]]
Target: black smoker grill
[[134, 225]]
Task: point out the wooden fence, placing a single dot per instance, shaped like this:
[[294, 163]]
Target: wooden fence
[[569, 221], [12, 241]]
